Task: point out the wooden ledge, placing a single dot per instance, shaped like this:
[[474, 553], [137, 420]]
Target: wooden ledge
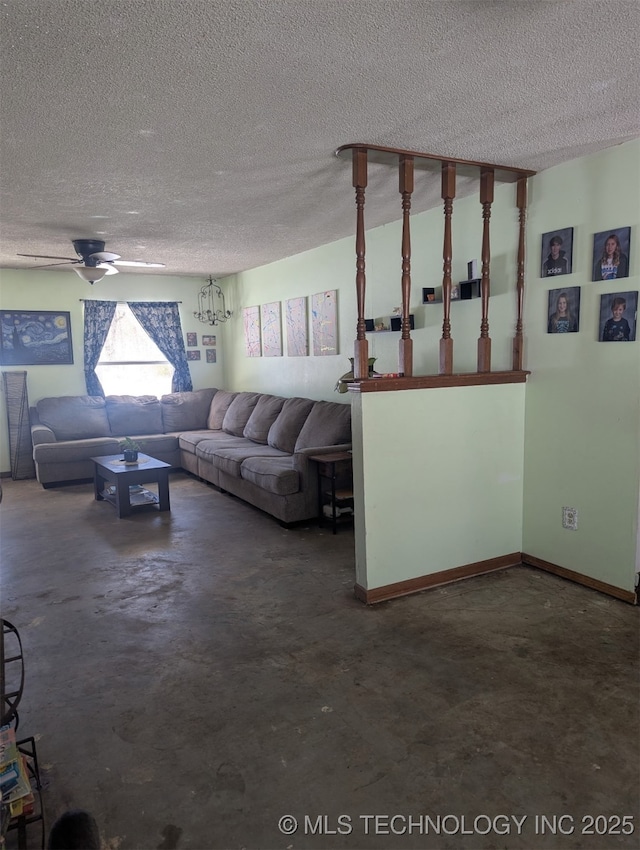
[[433, 162], [425, 382]]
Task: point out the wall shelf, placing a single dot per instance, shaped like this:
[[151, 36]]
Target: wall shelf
[[386, 324]]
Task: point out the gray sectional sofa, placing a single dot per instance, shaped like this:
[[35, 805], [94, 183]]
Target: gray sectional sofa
[[253, 445]]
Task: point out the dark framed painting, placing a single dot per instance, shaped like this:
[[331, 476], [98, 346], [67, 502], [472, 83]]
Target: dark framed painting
[[193, 355], [564, 310], [211, 355], [557, 252], [208, 340], [618, 317], [36, 338], [192, 339], [611, 252]]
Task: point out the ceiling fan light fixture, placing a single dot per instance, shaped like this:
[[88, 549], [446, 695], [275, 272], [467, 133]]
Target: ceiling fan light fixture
[[89, 273]]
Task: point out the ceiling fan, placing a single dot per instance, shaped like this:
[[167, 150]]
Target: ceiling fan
[[94, 262]]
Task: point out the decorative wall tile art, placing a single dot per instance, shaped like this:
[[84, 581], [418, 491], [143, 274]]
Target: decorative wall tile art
[[36, 338], [271, 329], [251, 323], [208, 340], [296, 325], [324, 323], [192, 339], [211, 355]]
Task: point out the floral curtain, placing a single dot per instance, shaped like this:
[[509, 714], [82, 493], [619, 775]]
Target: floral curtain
[[161, 320], [98, 316]]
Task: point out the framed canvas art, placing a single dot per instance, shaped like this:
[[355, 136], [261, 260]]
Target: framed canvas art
[[296, 325], [271, 321], [193, 355], [611, 251], [618, 317], [36, 338], [251, 324], [211, 355], [324, 323], [557, 252], [192, 339], [564, 310]]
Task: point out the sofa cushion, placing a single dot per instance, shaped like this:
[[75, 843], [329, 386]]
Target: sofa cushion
[[328, 424], [190, 440], [71, 451], [206, 449], [80, 417], [132, 415], [186, 411], [239, 412], [273, 474], [284, 431], [230, 459], [264, 415], [219, 406]]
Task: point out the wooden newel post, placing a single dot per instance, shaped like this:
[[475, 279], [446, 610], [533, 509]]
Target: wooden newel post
[[518, 342], [361, 346], [448, 194], [487, 176], [405, 353]]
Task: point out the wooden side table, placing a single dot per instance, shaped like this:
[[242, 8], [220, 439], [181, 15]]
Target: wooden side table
[[335, 487]]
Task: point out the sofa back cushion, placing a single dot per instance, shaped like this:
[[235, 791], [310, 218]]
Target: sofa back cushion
[[284, 431], [328, 424], [75, 417], [264, 415], [130, 415], [186, 411], [239, 412], [219, 406]]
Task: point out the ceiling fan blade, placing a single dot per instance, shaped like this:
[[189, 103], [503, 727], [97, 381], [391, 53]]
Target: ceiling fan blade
[[139, 264], [48, 257], [104, 256], [50, 265], [108, 268]]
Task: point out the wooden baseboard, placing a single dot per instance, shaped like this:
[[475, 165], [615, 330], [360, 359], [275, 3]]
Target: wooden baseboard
[[415, 585], [579, 578]]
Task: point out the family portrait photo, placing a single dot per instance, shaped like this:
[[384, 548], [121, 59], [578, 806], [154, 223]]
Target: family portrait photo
[[618, 317], [564, 310], [557, 251], [611, 254]]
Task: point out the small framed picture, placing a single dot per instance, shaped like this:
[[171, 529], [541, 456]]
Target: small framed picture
[[611, 251], [618, 317], [208, 340], [564, 310], [193, 355], [192, 339], [557, 251], [211, 355]]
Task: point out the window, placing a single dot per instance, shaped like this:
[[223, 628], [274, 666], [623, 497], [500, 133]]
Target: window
[[130, 362]]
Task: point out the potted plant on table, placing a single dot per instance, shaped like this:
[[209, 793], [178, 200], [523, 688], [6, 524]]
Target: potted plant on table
[[130, 450]]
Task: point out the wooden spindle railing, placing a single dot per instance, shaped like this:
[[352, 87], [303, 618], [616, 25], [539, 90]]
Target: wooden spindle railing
[[407, 161], [448, 194], [521, 201], [405, 354], [487, 176], [361, 347]]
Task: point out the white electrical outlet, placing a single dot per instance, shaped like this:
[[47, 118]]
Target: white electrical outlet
[[570, 518]]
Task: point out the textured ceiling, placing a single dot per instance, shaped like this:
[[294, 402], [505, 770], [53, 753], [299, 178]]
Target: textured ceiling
[[201, 133]]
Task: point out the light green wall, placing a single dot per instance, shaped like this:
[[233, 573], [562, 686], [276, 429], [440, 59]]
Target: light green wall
[[582, 426], [49, 290], [443, 479]]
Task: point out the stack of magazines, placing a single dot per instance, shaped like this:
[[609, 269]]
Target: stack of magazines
[[14, 776]]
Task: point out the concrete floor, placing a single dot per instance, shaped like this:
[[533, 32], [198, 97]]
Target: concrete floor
[[193, 677]]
